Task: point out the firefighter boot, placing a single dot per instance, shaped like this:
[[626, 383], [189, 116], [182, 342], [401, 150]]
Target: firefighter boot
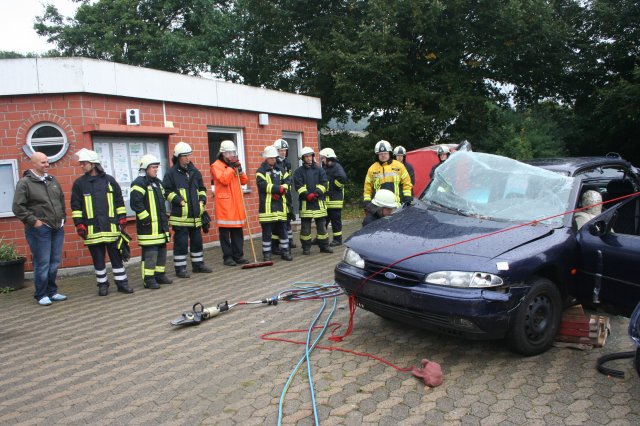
[[200, 268], [150, 282], [181, 272], [286, 255], [337, 241], [275, 247], [123, 287], [306, 248], [324, 248], [103, 289], [266, 256], [163, 279]]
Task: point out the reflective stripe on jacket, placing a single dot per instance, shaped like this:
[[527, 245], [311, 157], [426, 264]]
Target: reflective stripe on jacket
[[96, 202], [185, 185], [308, 179], [337, 179], [147, 201], [229, 212], [270, 180], [391, 175]]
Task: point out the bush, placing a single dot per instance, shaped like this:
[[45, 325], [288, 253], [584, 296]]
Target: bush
[[8, 251]]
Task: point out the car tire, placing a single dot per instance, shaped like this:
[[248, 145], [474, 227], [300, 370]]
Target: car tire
[[537, 320]]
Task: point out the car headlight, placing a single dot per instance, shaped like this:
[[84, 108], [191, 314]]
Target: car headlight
[[352, 258], [464, 279]]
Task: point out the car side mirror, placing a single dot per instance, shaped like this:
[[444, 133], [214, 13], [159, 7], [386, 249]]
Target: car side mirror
[[598, 228]]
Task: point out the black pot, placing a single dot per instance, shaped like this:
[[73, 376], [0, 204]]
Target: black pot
[[12, 273]]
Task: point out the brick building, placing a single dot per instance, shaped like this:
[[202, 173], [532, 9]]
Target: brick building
[[60, 105]]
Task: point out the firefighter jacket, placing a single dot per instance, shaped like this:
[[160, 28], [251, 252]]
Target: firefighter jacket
[[148, 202], [308, 179], [185, 184], [96, 202], [273, 206], [391, 175], [229, 209], [337, 179], [39, 199], [287, 172]]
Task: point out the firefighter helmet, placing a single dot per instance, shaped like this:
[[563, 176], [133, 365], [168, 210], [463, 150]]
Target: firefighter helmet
[[399, 150], [328, 152], [227, 146], [306, 151], [148, 160], [280, 144], [382, 146], [182, 148], [87, 155], [269, 152], [443, 149], [385, 198]]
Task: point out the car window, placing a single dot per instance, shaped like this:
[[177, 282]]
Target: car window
[[500, 188], [627, 218]]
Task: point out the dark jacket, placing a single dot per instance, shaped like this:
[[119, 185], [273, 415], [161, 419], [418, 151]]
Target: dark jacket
[[308, 179], [96, 202], [37, 199], [412, 175], [185, 184], [273, 206], [372, 213], [287, 174], [337, 179], [148, 202]]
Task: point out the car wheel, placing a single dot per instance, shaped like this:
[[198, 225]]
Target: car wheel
[[537, 320]]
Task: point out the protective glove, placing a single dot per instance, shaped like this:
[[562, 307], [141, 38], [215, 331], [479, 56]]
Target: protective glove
[[406, 201], [276, 197], [311, 196], [81, 230], [282, 190], [317, 192], [122, 224], [291, 216]]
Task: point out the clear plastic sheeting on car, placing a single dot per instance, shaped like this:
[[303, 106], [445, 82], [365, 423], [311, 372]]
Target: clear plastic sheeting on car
[[499, 188]]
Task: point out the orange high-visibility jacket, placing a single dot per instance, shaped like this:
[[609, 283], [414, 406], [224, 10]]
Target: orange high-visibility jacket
[[229, 212]]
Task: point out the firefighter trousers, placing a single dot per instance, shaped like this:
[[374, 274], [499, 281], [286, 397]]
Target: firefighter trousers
[[154, 260], [185, 238], [98, 252]]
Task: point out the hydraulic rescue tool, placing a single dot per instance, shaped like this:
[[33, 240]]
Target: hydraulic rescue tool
[[199, 313]]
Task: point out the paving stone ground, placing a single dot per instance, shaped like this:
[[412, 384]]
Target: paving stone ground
[[117, 360]]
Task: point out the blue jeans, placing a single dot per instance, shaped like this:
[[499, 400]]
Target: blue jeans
[[46, 247]]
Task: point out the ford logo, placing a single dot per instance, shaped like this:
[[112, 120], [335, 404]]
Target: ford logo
[[390, 275]]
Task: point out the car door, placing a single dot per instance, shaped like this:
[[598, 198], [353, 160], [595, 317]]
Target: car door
[[609, 252]]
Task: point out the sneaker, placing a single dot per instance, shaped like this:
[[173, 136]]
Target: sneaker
[[45, 301], [58, 297]]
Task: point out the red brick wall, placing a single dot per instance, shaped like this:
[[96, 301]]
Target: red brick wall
[[76, 113]]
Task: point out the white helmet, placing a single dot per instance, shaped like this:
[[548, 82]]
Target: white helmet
[[280, 144], [87, 155], [305, 151], [328, 152], [385, 198], [399, 150], [182, 148], [227, 146], [269, 152], [382, 146], [148, 160], [443, 149]]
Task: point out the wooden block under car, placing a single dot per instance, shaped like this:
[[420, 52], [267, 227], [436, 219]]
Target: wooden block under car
[[583, 330]]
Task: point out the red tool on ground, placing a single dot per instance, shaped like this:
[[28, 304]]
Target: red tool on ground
[[255, 263]]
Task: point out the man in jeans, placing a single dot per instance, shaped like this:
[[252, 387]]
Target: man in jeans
[[39, 203]]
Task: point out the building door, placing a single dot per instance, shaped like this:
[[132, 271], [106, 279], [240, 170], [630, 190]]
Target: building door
[[294, 139]]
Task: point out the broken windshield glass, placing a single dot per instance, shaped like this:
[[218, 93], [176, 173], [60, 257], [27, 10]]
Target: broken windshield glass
[[500, 188]]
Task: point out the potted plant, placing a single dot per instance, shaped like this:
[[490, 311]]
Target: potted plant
[[11, 266]]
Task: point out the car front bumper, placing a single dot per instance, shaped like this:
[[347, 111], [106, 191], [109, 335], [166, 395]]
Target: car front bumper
[[469, 313]]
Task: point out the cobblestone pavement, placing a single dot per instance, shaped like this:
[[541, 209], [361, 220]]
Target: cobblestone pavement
[[117, 360]]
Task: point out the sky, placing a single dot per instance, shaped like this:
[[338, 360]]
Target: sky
[[16, 24]]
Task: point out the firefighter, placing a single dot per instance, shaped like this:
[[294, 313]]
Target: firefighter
[[400, 154], [230, 215], [383, 204], [272, 213], [284, 165], [187, 195], [99, 215], [387, 173], [152, 225], [443, 154], [310, 181], [337, 179]]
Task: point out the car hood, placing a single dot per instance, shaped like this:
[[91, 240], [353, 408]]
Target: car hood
[[416, 229]]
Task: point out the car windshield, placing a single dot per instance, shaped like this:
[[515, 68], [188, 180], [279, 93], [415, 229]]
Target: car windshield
[[499, 188]]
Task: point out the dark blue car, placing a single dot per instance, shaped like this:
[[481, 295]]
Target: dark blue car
[[489, 250]]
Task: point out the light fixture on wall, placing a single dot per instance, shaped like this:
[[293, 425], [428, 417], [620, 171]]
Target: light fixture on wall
[[263, 119], [133, 117]]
